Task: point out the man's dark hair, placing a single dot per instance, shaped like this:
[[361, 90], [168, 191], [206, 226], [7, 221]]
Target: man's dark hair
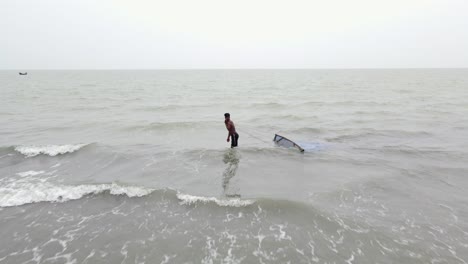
[[227, 115]]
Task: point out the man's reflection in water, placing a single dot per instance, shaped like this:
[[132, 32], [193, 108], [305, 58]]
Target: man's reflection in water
[[232, 159]]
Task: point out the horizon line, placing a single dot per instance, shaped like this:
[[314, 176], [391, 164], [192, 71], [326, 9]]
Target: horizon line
[[211, 69]]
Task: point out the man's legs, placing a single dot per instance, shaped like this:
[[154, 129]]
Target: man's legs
[[234, 138]]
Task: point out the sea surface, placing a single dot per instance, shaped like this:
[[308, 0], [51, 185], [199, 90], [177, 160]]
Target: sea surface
[[134, 167]]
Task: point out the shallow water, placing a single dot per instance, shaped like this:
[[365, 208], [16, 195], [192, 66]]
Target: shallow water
[[133, 166]]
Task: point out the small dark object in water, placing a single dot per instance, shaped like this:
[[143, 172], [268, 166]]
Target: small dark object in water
[[23, 73]]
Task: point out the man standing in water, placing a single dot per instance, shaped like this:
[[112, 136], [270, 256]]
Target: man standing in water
[[231, 130]]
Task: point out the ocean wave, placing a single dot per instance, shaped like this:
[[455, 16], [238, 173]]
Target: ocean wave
[[420, 151], [358, 103], [155, 126], [187, 199], [216, 153], [267, 105], [31, 190], [50, 150], [307, 130], [29, 173], [378, 133], [286, 117], [26, 191], [39, 186], [373, 113], [171, 107]]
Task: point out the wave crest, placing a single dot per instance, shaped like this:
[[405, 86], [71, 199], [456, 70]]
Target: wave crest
[[187, 199], [50, 150], [29, 173], [23, 192]]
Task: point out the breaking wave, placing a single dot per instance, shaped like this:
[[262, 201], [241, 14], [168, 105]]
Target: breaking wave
[[29, 173], [34, 187], [50, 150], [26, 191], [188, 199]]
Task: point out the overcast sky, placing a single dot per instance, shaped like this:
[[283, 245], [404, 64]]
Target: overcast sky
[[152, 34]]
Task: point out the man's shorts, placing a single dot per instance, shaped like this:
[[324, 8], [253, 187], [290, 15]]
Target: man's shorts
[[234, 139]]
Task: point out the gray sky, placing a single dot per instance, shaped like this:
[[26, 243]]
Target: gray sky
[[152, 34]]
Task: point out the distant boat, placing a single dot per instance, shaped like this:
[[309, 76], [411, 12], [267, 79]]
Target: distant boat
[[23, 73]]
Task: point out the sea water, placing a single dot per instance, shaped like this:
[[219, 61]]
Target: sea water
[[134, 167]]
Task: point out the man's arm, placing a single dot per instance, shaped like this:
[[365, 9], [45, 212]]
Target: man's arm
[[228, 127]]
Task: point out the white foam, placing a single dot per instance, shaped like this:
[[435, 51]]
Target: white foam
[[130, 191], [25, 191], [51, 150], [191, 199], [56, 165], [29, 173]]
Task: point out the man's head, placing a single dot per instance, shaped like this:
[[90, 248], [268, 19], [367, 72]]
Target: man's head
[[227, 116]]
